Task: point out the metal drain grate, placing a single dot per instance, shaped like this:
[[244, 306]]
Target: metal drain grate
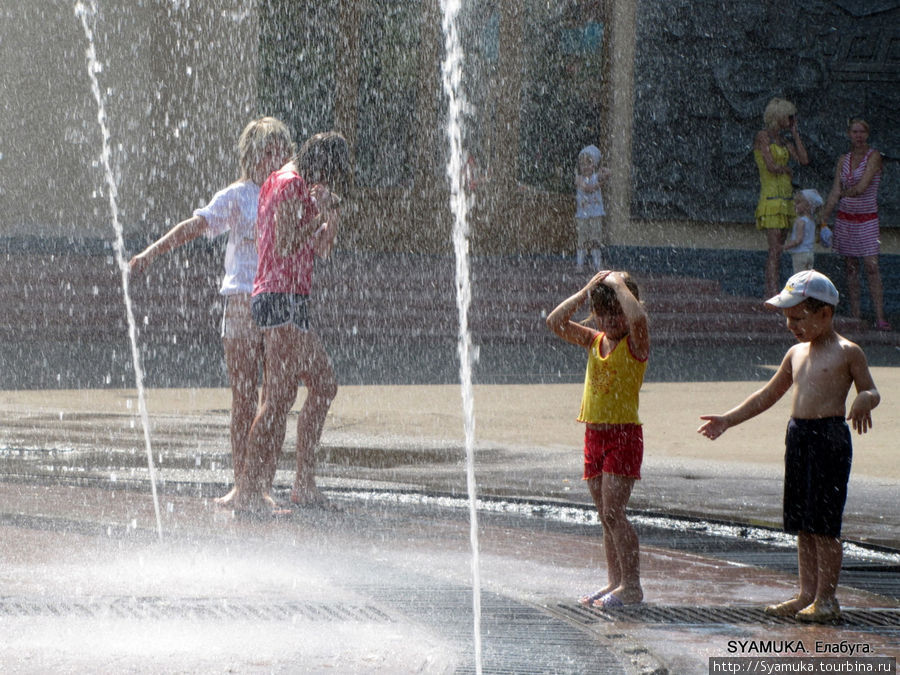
[[204, 609], [669, 614]]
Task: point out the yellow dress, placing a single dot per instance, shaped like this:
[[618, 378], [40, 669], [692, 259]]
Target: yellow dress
[[776, 203]]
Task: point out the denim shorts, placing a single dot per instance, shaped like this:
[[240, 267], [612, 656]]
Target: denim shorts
[[271, 310]]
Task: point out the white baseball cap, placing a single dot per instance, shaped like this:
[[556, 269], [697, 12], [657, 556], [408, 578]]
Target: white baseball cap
[[803, 285]]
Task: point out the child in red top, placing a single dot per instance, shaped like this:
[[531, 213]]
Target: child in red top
[[295, 223]]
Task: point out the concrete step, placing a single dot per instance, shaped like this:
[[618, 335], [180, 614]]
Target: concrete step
[[376, 298]]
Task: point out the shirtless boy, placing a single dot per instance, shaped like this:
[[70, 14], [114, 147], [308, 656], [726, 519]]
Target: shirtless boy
[[821, 369]]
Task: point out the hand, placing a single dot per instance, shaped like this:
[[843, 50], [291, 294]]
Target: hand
[[139, 263], [322, 196], [715, 426], [860, 416], [597, 279]]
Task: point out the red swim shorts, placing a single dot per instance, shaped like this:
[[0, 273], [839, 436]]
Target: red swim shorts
[[618, 449]]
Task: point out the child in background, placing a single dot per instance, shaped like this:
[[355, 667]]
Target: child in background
[[617, 352], [263, 146], [821, 369], [803, 235], [589, 211]]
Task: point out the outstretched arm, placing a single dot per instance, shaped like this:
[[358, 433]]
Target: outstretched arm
[[182, 233], [759, 401]]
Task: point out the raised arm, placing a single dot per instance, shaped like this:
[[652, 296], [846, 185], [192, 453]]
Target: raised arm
[[635, 315], [182, 233], [560, 319], [759, 401], [797, 149]]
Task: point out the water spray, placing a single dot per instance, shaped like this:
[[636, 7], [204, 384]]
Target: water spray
[[82, 11], [451, 71]]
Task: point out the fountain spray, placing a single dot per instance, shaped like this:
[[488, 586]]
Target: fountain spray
[[82, 11]]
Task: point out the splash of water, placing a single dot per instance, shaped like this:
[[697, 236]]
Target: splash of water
[[83, 12], [452, 77]]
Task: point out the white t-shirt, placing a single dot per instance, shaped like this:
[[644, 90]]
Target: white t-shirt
[[233, 210]]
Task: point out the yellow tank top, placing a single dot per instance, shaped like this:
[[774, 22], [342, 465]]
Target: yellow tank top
[[611, 385]]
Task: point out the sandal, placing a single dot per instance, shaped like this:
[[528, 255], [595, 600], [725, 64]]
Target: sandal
[[883, 326]]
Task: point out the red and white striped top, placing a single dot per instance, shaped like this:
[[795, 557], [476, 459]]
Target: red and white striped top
[[867, 202]]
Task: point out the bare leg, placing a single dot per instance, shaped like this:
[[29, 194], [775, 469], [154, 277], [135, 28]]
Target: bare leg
[[613, 569], [615, 493], [851, 265], [281, 375], [318, 376], [873, 275], [242, 357], [775, 240], [829, 554], [807, 564]]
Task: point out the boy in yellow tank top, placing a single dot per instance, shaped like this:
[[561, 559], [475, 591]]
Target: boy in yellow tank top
[[618, 350]]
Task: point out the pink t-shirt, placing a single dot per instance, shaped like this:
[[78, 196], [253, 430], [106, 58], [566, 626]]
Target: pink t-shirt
[[274, 273]]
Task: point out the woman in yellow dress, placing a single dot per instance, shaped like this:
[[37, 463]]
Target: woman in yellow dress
[[772, 149]]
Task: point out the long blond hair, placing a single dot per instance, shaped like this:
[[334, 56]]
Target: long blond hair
[[257, 137]]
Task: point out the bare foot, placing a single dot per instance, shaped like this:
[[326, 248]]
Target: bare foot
[[307, 495], [257, 504], [226, 499], [596, 595], [623, 595], [788, 607]]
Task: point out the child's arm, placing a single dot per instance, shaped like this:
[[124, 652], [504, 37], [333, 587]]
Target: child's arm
[[560, 319], [324, 237], [759, 401], [584, 183], [635, 315], [796, 235], [182, 233], [291, 232], [867, 396]]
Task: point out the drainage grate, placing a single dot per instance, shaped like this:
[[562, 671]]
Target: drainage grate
[[669, 614], [205, 609]]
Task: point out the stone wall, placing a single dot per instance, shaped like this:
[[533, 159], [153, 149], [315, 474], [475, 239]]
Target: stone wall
[[704, 71]]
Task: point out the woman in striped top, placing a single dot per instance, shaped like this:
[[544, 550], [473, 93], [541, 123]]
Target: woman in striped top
[[857, 176]]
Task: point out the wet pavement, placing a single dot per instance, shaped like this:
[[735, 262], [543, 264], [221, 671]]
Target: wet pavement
[[381, 580]]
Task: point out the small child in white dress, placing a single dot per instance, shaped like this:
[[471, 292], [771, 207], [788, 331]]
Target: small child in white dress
[[803, 234], [589, 211]]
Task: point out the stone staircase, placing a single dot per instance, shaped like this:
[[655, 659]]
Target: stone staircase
[[379, 298]]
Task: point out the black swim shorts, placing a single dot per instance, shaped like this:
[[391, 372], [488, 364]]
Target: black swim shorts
[[817, 461], [271, 310]]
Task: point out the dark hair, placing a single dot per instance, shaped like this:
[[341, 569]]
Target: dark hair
[[324, 158], [814, 305], [603, 298]]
